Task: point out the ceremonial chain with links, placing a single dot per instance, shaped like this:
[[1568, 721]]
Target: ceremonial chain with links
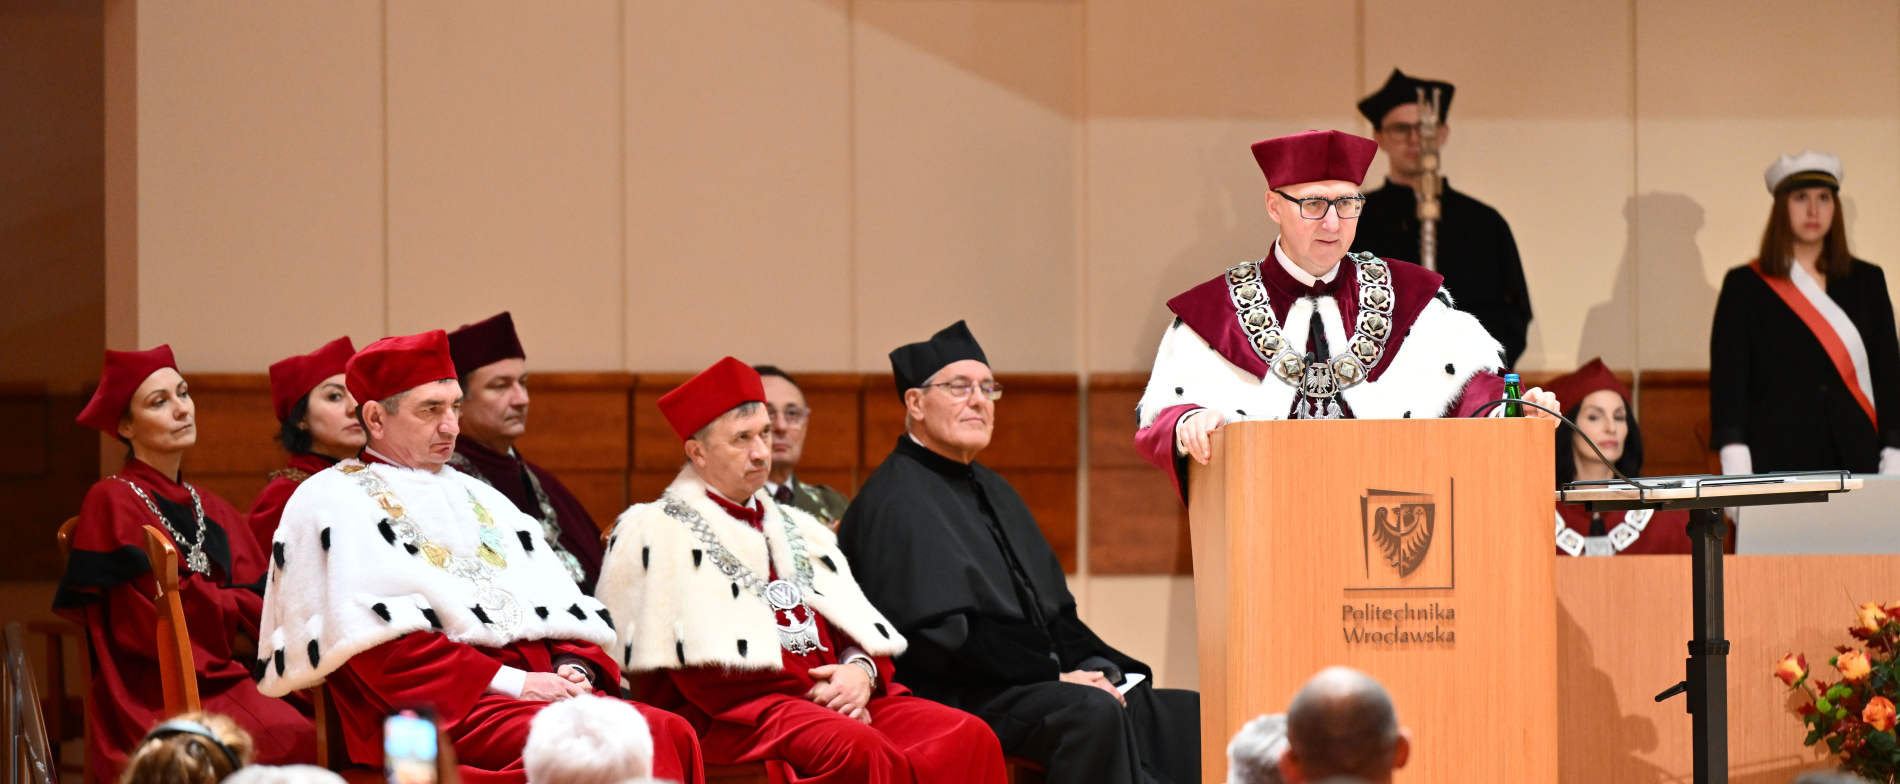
[[1319, 383], [195, 558], [801, 635], [501, 611], [550, 521]]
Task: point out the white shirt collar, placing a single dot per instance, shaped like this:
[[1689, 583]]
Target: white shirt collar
[[1300, 274]]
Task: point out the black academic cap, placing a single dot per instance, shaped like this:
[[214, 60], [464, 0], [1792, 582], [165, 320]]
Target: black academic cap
[[914, 364], [1400, 89]]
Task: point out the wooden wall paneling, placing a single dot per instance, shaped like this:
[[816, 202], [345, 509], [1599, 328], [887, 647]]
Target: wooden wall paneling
[[1137, 525], [656, 450], [236, 450], [578, 429], [1034, 445], [47, 485], [1622, 623], [831, 436], [1675, 418]]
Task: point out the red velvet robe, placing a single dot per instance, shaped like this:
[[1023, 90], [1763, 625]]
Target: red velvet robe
[[427, 669], [108, 588], [1666, 534], [751, 715], [268, 509]]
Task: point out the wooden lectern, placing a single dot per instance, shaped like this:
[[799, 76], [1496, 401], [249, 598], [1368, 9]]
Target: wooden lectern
[[1418, 550]]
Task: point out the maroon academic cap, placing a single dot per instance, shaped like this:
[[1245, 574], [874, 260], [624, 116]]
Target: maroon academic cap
[[398, 364], [484, 343], [1594, 376], [291, 379], [723, 387], [1313, 156], [123, 373]]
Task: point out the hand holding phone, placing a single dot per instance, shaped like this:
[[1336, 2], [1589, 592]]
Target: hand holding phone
[[409, 747]]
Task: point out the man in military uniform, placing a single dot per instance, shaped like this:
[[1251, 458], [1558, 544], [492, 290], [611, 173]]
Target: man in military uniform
[[785, 402], [1476, 252]]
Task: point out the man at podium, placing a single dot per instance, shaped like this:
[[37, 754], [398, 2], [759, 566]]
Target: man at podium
[[1311, 331]]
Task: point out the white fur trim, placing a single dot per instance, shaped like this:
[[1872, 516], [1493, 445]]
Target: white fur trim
[[674, 608], [1414, 380], [330, 596]]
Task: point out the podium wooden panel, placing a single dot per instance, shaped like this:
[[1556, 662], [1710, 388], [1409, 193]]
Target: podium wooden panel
[[1289, 570]]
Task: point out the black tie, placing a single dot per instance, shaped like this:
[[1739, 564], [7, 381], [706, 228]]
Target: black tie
[[784, 493], [1316, 338]]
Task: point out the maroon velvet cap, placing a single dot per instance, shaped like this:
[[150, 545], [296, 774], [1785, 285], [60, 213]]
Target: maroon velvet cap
[[1594, 376], [124, 371], [484, 343], [1313, 156], [723, 387], [291, 379], [398, 364]]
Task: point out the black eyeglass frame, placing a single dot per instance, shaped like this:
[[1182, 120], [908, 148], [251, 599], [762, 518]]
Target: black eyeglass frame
[[1332, 205]]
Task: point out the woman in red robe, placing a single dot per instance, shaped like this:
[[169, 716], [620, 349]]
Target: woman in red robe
[[108, 585], [319, 427], [1601, 409]]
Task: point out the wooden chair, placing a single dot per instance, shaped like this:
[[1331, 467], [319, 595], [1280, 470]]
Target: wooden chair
[[177, 669], [55, 665]]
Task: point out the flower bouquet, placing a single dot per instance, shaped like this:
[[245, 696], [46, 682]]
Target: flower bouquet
[[1855, 715]]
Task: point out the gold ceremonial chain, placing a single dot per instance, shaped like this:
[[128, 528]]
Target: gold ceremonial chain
[[1319, 383], [502, 610], [781, 595], [291, 474], [550, 521], [195, 558], [1619, 539]]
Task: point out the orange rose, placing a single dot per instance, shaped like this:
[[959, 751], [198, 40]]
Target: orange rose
[[1872, 617], [1878, 713], [1792, 669], [1854, 666]]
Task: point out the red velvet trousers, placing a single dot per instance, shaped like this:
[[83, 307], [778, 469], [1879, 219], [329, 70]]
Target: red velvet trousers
[[909, 740]]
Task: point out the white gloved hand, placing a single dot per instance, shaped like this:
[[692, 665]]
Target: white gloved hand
[[1890, 460], [1736, 459]]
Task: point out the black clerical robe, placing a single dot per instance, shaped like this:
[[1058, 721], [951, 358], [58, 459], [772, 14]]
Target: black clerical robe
[[1476, 254], [539, 495], [952, 555]]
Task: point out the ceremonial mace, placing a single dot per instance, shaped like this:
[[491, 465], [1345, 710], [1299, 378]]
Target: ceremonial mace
[[1428, 181]]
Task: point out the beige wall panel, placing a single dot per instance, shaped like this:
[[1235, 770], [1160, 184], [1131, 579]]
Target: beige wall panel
[[1171, 204], [260, 179], [1767, 58], [738, 155], [1223, 59], [504, 173], [1150, 618], [966, 177], [1508, 59]]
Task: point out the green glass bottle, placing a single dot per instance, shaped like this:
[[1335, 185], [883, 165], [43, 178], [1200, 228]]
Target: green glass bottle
[[1513, 391]]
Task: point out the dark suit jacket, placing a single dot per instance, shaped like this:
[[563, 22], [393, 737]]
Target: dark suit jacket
[[1772, 387]]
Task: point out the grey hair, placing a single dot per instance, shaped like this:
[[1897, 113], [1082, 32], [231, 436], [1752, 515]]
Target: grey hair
[[1253, 757], [588, 740], [283, 774], [1343, 723], [743, 409], [1828, 777]]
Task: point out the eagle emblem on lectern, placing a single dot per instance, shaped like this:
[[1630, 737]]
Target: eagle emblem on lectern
[[1400, 526]]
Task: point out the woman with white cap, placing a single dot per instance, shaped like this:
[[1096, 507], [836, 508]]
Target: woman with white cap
[[1804, 364]]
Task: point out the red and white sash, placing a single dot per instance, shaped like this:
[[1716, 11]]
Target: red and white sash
[[1831, 342]]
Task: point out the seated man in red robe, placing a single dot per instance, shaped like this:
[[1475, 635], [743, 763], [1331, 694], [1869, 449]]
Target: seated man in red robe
[[108, 585], [741, 614], [494, 372], [403, 583]]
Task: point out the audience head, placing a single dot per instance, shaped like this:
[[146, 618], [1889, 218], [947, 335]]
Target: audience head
[[720, 418], [284, 774], [1393, 112], [1828, 777], [408, 398], [1342, 723], [494, 374], [1807, 190], [1315, 165], [1601, 409], [192, 748], [785, 405], [1253, 756], [588, 740], [315, 412], [949, 392]]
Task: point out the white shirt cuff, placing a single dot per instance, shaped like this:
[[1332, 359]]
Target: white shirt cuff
[[1736, 459], [1889, 460], [508, 682]]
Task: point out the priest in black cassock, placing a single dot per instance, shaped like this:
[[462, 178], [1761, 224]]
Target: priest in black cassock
[[951, 554], [1476, 252], [493, 370]]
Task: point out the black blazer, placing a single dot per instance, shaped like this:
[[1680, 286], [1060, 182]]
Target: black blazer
[[1772, 387]]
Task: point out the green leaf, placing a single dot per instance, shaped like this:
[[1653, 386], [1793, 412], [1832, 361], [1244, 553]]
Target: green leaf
[[1825, 702]]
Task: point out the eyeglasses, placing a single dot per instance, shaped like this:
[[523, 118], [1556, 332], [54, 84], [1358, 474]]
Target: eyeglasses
[[1399, 129], [1314, 207], [961, 388], [792, 415]]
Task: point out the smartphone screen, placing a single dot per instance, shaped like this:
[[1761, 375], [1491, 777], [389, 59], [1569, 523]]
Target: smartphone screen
[[409, 748]]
